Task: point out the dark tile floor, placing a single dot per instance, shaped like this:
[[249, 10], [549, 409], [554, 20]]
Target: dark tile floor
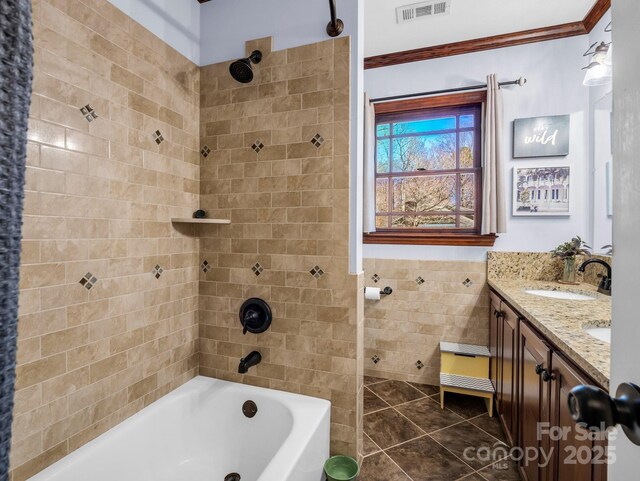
[[409, 438]]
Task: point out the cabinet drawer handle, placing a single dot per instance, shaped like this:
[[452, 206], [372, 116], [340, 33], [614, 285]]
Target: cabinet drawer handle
[[498, 314], [544, 373], [547, 376]]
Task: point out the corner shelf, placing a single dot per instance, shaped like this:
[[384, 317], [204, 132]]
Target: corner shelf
[[188, 220]]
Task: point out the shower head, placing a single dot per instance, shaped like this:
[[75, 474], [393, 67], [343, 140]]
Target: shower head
[[241, 70]]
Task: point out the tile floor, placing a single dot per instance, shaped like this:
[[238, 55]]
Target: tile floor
[[409, 438]]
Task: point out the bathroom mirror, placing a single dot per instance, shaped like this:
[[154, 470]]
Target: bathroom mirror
[[602, 173]]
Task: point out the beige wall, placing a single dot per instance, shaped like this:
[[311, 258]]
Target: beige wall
[[407, 326], [289, 211], [99, 199]]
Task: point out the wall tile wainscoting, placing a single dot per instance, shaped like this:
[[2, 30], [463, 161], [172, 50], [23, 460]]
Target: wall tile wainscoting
[[432, 301]]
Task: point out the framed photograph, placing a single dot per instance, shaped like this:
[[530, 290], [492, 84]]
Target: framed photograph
[[542, 191], [541, 137]]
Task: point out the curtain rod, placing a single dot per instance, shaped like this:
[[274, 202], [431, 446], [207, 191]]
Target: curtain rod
[[521, 81]]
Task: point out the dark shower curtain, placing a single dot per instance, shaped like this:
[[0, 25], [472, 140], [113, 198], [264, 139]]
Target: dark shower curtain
[[16, 67]]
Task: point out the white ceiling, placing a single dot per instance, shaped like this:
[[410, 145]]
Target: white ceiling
[[469, 19]]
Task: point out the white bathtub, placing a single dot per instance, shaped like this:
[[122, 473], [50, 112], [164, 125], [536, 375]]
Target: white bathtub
[[199, 433]]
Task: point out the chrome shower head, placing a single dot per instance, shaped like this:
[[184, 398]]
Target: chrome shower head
[[241, 70]]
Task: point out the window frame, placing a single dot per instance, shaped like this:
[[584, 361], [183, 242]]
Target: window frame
[[413, 108]]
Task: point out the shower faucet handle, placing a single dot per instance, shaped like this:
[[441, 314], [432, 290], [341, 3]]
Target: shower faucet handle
[[255, 316], [250, 316]]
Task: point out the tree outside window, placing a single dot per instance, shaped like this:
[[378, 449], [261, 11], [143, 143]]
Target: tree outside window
[[428, 170]]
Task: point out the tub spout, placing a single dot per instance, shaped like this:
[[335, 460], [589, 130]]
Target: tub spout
[[253, 358]]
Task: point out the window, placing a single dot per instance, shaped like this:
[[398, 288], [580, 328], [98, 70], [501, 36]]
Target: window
[[429, 170]]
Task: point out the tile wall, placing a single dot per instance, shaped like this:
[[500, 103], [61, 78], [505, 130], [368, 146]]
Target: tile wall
[[108, 306], [277, 165], [432, 301]]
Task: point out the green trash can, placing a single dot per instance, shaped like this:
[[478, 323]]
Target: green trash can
[[341, 468]]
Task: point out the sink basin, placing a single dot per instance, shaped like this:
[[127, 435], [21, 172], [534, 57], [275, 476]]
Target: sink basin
[[601, 333], [564, 295]]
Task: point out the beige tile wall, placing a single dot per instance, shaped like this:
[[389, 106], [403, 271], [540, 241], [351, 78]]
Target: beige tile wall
[[99, 196], [289, 211], [407, 326]]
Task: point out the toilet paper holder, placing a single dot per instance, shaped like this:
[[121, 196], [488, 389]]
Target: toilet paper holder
[[387, 291], [375, 293]]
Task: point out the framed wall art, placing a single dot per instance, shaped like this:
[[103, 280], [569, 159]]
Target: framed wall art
[[542, 191], [541, 137]]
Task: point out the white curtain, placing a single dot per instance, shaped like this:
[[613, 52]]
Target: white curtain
[[494, 213], [369, 217]]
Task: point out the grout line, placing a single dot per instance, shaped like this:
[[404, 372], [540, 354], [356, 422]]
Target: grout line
[[393, 461], [375, 444], [406, 402], [419, 428], [424, 399], [495, 461], [404, 442], [408, 440], [487, 432], [447, 427], [424, 396], [377, 382], [454, 455], [376, 410]]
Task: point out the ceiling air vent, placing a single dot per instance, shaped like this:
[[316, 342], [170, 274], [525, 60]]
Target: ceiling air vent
[[423, 10]]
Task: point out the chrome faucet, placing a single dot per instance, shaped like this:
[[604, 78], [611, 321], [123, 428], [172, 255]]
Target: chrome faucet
[[605, 281], [252, 359]]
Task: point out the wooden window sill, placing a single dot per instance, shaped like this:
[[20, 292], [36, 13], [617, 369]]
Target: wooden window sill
[[416, 238]]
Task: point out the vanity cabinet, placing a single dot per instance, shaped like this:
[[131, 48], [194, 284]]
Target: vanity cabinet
[[503, 346], [532, 380], [572, 452], [533, 395], [495, 328], [508, 372]]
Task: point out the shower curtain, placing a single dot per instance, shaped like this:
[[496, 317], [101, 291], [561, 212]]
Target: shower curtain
[[16, 70]]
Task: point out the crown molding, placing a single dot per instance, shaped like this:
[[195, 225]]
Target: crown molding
[[543, 34]]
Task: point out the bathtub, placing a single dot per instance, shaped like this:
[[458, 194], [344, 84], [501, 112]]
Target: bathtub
[[199, 433]]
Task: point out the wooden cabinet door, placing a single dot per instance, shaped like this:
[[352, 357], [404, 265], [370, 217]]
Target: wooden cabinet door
[[495, 322], [533, 399], [576, 456], [509, 373]]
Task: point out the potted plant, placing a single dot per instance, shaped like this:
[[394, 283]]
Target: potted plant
[[568, 252]]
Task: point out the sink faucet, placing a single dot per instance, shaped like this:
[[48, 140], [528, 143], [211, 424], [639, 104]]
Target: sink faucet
[[605, 282], [253, 359]]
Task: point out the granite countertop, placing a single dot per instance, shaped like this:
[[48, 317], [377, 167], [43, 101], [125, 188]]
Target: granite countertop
[[563, 321]]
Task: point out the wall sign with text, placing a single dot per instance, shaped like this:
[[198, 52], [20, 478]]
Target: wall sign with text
[[541, 136]]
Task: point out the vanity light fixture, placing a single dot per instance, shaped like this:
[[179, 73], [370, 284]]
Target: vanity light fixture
[[598, 72]]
